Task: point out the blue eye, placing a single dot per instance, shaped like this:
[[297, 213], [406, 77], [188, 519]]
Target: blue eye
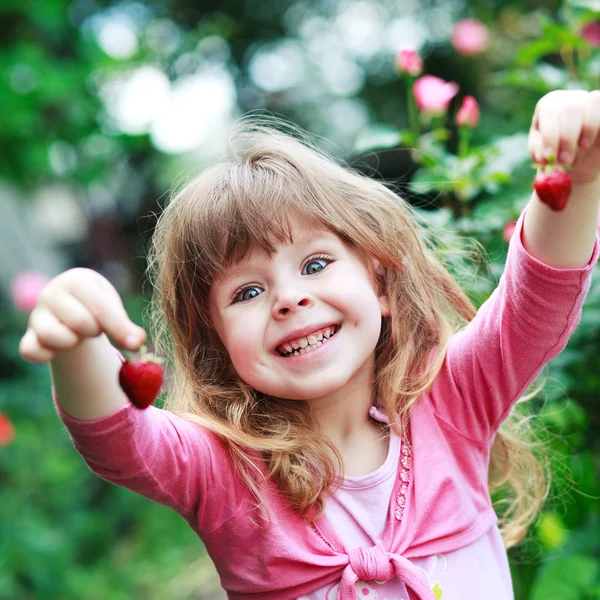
[[316, 264], [247, 293]]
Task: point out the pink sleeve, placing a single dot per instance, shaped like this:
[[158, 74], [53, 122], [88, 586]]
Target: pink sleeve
[[156, 454], [525, 323]]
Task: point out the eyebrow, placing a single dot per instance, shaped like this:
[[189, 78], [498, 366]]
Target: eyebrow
[[304, 239]]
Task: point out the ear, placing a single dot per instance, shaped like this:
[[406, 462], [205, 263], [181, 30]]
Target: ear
[[379, 273]]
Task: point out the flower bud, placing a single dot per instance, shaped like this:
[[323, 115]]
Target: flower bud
[[409, 61], [433, 95], [590, 32], [468, 113], [470, 37], [26, 288]]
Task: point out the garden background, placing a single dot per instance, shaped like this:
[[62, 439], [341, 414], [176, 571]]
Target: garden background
[[105, 105]]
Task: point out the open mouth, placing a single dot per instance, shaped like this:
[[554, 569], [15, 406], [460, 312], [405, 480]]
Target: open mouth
[[309, 343]]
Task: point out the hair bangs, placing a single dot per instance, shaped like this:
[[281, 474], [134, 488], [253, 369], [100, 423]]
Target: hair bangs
[[255, 207]]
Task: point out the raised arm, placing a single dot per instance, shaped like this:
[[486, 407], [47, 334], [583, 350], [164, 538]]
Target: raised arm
[[68, 328], [151, 452], [565, 125], [537, 305]]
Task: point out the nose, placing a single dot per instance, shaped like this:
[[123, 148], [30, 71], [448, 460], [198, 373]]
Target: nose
[[289, 300]]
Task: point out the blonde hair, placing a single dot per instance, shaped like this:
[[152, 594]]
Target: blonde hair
[[214, 219]]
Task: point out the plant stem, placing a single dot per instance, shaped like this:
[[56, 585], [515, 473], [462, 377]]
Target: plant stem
[[566, 53], [464, 137], [411, 106]]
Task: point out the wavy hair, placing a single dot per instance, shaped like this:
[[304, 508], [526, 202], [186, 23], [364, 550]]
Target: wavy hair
[[213, 220]]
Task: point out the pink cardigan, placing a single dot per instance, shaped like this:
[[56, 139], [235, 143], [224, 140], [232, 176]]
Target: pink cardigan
[[489, 364]]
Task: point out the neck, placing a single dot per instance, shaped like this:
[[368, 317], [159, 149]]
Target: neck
[[344, 415], [344, 418]]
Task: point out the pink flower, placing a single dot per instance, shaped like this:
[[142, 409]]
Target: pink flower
[[7, 430], [409, 61], [26, 288], [468, 113], [590, 32], [470, 37], [433, 95], [509, 229]]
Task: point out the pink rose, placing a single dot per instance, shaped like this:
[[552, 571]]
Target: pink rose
[[26, 288], [468, 113], [470, 37], [409, 61], [591, 33], [7, 430], [433, 95], [509, 229]]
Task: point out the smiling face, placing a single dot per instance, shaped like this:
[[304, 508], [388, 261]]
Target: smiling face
[[302, 323]]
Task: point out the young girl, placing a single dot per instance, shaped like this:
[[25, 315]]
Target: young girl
[[334, 398]]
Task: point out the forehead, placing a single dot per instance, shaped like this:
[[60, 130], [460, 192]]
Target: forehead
[[301, 235]]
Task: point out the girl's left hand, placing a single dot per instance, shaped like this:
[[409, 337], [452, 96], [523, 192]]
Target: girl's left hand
[[566, 124]]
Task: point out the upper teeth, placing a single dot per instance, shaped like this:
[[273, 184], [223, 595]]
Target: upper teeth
[[305, 342]]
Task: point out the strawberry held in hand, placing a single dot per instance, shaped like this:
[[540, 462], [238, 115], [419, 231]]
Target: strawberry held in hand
[[564, 131], [553, 186], [142, 378]]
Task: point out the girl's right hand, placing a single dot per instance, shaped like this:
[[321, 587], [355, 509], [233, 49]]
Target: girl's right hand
[[76, 305]]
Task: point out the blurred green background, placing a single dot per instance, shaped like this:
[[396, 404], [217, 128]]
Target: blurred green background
[[105, 105]]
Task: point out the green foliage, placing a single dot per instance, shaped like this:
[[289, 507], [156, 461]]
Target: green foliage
[[67, 533], [575, 577]]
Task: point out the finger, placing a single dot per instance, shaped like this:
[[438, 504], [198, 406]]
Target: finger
[[74, 315], [591, 120], [570, 119], [105, 304], [536, 146], [31, 349], [50, 332], [546, 122]]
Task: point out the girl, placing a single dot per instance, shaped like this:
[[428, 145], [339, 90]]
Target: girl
[[335, 397]]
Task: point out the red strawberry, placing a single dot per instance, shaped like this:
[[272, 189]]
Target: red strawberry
[[142, 378], [553, 188]]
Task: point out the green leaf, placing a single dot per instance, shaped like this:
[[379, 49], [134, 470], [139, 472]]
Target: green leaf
[[552, 531], [377, 136], [521, 79], [561, 34], [528, 54], [431, 151], [498, 177], [441, 134], [423, 181], [408, 138], [567, 578]]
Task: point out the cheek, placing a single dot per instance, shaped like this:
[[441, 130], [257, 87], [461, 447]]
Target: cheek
[[366, 314], [374, 325], [362, 303], [242, 341]]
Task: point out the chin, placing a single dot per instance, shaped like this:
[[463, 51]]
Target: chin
[[307, 391]]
